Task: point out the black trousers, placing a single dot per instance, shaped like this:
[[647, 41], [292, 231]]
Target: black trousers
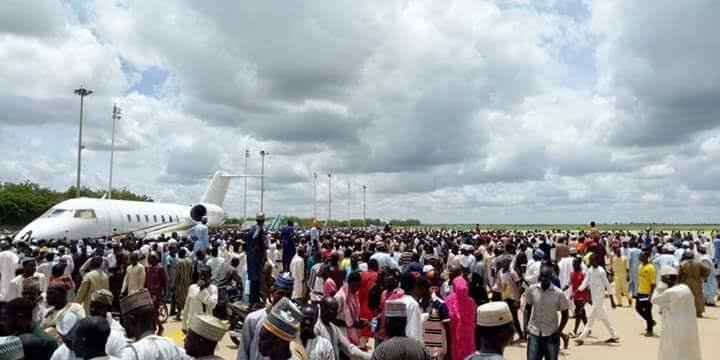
[[643, 306], [254, 291]]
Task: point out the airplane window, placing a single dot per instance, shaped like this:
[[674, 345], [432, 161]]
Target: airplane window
[[177, 219], [147, 218], [129, 218], [85, 214], [170, 219], [154, 218], [58, 212], [137, 217], [162, 217]]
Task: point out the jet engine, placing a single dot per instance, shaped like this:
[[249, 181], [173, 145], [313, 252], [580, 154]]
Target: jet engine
[[215, 214]]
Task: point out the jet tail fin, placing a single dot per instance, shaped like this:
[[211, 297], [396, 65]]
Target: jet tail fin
[[216, 191]]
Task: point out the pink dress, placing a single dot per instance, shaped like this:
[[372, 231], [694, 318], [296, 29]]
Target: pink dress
[[462, 319]]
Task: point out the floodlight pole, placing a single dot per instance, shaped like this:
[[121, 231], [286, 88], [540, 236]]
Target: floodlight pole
[[83, 93]]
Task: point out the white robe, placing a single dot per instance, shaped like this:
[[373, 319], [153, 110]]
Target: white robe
[[8, 264], [199, 302], [297, 270], [319, 348], [153, 347], [596, 279], [679, 337], [413, 328], [16, 285]]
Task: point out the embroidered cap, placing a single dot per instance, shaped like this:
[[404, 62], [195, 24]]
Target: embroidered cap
[[494, 313], [668, 270], [208, 327], [102, 296], [284, 281], [395, 308], [138, 299], [283, 320], [11, 348], [67, 322]]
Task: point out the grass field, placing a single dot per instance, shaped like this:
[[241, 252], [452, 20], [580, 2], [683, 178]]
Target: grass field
[[620, 227]]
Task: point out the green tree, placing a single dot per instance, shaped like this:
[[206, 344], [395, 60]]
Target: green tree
[[22, 202]]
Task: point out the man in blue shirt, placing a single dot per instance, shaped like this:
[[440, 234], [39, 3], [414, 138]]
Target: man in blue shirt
[[287, 236], [256, 256], [200, 232], [634, 262]]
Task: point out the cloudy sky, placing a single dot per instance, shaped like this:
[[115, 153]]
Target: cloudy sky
[[473, 111]]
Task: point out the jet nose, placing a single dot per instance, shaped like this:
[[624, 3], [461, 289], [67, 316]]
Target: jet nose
[[24, 234]]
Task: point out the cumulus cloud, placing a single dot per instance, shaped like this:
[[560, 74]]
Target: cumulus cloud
[[454, 111]]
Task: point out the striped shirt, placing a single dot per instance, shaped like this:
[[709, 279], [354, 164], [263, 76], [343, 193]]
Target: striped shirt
[[434, 335]]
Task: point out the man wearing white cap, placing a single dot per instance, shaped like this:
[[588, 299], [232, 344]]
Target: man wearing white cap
[[204, 333], [64, 328], [398, 345], [679, 338], [201, 298], [494, 331]]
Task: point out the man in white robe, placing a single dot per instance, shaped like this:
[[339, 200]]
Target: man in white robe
[[297, 270], [16, 284], [565, 266], [9, 262], [596, 279], [326, 329], [316, 346], [679, 337], [201, 297]]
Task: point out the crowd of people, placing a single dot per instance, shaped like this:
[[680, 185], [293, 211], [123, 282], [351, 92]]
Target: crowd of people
[[340, 293]]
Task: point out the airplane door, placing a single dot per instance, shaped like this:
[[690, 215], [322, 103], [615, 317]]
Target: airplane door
[[106, 223]]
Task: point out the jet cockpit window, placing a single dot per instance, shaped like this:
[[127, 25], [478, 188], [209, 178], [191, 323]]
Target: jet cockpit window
[[85, 214], [58, 212]]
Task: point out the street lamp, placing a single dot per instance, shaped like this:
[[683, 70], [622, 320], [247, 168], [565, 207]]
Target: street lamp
[[116, 115], [83, 93], [314, 195], [247, 155], [364, 205], [348, 204], [262, 178], [329, 198]]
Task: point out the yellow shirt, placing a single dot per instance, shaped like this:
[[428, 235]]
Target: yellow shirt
[[646, 278]]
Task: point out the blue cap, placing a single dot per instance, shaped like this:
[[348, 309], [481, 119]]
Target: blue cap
[[284, 281], [538, 253]]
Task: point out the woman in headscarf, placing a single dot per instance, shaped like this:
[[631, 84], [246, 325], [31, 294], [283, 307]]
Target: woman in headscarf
[[462, 319], [349, 308]]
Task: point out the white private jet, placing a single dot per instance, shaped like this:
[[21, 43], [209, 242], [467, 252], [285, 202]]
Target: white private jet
[[92, 218]]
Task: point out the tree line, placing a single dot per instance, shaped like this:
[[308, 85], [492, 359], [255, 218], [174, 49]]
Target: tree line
[[22, 202], [308, 222]]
